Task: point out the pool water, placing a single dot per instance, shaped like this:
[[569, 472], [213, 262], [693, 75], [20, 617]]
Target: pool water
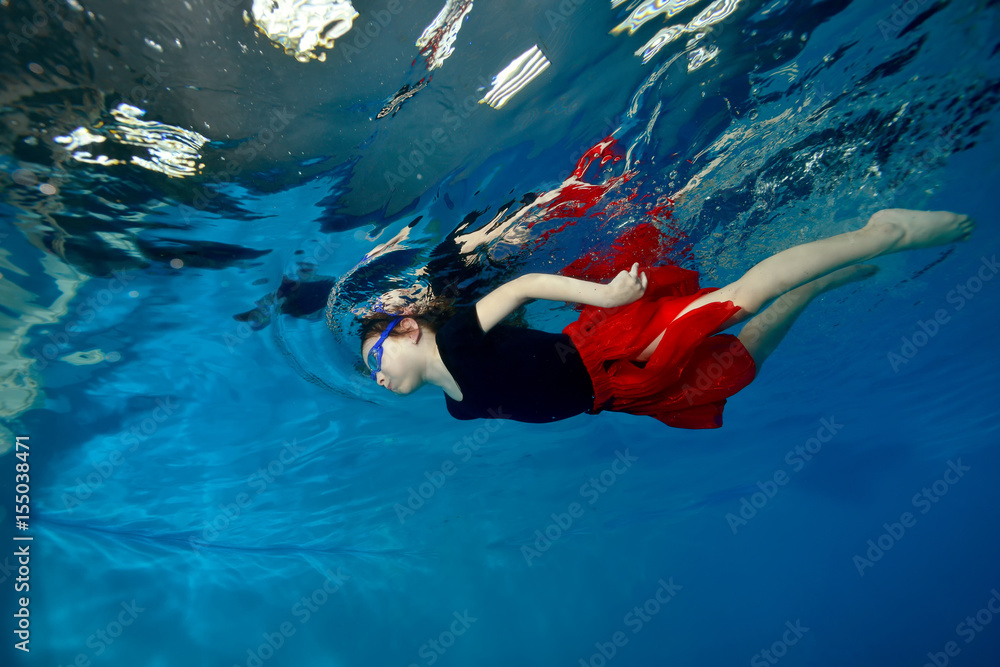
[[213, 481]]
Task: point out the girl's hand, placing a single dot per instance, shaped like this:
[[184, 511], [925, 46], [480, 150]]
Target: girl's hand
[[627, 286]]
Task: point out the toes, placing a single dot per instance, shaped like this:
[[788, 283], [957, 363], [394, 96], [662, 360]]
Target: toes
[[967, 227]]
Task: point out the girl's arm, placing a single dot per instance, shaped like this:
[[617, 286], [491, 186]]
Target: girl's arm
[[627, 286]]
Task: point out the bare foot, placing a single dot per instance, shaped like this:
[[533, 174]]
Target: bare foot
[[923, 229], [841, 277]]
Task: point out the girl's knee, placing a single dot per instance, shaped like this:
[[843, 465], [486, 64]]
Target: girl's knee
[[746, 297]]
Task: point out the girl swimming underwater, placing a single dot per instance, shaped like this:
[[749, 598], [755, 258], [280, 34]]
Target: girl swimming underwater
[[647, 343]]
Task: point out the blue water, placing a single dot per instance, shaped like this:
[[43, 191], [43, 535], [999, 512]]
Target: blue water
[[215, 492]]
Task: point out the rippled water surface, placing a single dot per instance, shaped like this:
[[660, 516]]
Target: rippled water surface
[[199, 197]]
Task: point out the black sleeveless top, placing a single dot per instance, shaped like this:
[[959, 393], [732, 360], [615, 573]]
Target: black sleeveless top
[[512, 372]]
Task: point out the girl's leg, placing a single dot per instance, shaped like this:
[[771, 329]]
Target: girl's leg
[[762, 334], [888, 231]]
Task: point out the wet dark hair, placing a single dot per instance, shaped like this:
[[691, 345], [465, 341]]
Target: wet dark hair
[[432, 317]]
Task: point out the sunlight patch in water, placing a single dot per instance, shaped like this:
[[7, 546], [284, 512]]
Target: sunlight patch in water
[[715, 13], [515, 76], [437, 42], [649, 10], [302, 26], [171, 150]]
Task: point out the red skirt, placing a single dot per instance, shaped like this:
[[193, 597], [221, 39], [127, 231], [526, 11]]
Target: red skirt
[[686, 381]]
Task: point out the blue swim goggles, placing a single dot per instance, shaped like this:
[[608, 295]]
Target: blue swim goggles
[[375, 354]]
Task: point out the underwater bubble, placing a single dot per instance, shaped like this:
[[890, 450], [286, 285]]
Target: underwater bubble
[[48, 189], [176, 263]]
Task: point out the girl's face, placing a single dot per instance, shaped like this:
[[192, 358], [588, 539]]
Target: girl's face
[[402, 362]]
